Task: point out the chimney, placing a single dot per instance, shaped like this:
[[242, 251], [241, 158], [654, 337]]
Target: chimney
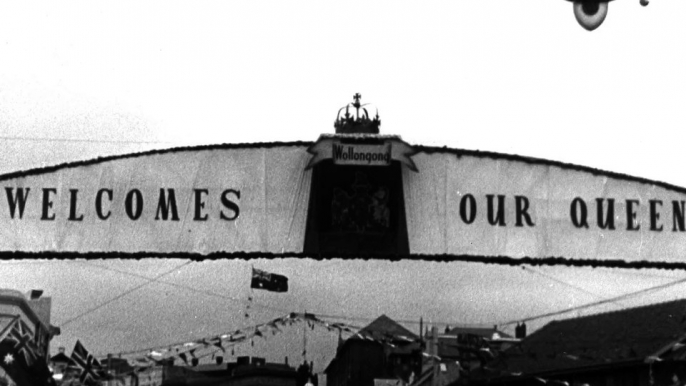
[[61, 350], [35, 294], [421, 337], [40, 305]]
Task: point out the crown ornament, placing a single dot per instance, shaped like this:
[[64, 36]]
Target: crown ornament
[[357, 122]]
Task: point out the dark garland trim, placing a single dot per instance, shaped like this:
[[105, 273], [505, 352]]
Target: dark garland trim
[[444, 258], [500, 260], [306, 144], [98, 160], [539, 161]]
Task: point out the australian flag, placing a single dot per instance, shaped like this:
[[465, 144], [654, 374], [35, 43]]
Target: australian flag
[[18, 356], [23, 342], [268, 281]]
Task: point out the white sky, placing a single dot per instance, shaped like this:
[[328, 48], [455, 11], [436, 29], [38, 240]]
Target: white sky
[[498, 75]]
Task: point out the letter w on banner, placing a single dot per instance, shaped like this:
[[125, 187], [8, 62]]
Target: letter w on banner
[[85, 362], [268, 281]]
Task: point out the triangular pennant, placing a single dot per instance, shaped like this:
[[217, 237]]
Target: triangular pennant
[[219, 345]]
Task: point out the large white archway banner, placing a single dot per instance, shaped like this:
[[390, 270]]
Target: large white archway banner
[[192, 201], [254, 198], [494, 205]]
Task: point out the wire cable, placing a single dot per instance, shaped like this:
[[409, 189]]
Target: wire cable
[[188, 288], [47, 139], [282, 311], [121, 295], [601, 302], [638, 272], [557, 280]]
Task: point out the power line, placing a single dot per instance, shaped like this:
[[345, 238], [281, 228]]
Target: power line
[[233, 299], [121, 295], [48, 139], [28, 262], [557, 280], [588, 305], [188, 288], [639, 273]]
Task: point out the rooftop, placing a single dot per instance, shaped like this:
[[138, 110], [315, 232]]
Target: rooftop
[[626, 335], [485, 332], [384, 327]]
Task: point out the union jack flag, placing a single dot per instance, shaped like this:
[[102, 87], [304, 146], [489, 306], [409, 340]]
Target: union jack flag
[[6, 331], [86, 362], [23, 342]]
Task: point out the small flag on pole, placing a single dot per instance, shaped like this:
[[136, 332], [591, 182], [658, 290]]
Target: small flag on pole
[[268, 281]]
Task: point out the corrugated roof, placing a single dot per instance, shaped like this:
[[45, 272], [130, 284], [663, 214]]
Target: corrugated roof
[[625, 335]]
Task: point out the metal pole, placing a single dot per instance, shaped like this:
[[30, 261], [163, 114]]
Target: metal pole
[[109, 369], [434, 353]]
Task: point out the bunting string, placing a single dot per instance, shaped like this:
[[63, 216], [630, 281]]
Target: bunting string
[[195, 350], [211, 345]]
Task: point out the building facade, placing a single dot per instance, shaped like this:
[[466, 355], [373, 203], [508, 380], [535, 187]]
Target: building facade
[[382, 350], [244, 372], [25, 334], [640, 346]]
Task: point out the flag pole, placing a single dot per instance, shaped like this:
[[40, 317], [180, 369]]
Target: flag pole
[[250, 294], [305, 339], [109, 369]]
